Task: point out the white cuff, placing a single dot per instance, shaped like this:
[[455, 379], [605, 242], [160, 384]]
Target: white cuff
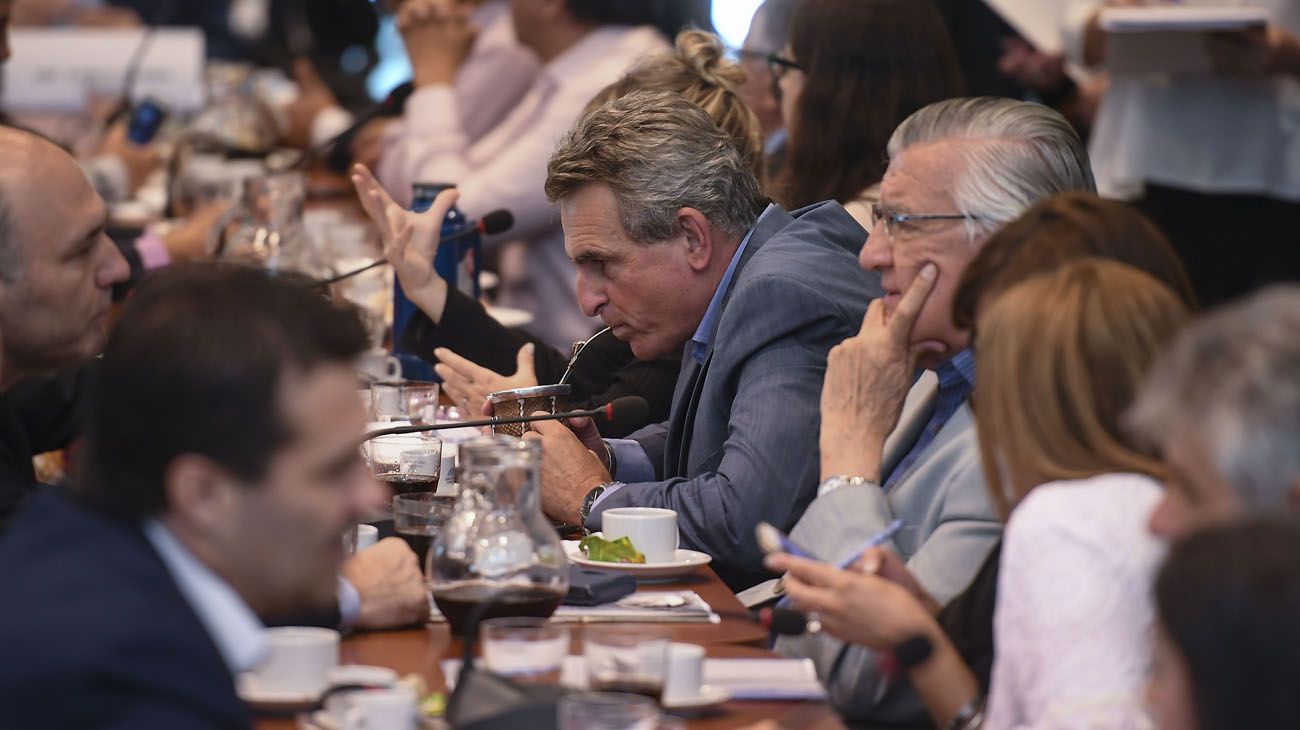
[[349, 604]]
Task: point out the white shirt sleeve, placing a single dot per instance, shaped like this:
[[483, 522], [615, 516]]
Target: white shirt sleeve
[[1073, 620]]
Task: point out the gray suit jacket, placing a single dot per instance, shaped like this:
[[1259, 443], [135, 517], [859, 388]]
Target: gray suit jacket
[[740, 444], [949, 526]]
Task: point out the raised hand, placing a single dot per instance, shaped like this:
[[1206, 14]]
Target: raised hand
[[410, 240], [468, 384]]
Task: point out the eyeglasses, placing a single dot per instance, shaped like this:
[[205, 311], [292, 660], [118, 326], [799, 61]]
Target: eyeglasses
[[778, 66], [897, 224]]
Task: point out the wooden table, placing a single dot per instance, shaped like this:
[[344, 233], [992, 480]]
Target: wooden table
[[422, 650]]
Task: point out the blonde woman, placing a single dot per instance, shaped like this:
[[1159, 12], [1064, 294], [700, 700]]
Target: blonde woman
[[1060, 356]]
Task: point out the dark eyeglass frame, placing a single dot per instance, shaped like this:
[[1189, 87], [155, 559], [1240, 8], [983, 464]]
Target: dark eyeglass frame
[[778, 66]]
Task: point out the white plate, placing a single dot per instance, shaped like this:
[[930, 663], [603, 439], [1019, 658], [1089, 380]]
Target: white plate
[[707, 698], [687, 561]]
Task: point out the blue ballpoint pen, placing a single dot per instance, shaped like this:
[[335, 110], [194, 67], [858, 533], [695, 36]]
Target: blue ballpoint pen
[[876, 540], [772, 540]]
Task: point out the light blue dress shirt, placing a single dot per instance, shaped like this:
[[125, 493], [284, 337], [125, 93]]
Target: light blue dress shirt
[[233, 626]]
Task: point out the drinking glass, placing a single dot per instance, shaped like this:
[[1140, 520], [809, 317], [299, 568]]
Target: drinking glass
[[627, 659], [525, 648], [607, 711], [417, 518], [406, 462], [408, 400]]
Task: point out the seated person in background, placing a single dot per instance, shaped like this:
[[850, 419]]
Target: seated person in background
[[583, 46], [678, 251], [473, 349], [1060, 356], [1054, 232], [221, 468], [768, 30], [494, 76], [842, 98], [1228, 645], [958, 170], [57, 269], [1223, 409]]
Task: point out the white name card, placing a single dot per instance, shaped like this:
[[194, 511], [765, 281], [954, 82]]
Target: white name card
[[57, 70]]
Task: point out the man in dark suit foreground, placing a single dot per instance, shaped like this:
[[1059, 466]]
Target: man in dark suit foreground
[[221, 468]]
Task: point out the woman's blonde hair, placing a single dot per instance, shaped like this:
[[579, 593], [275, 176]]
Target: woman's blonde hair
[[1060, 357], [698, 70]]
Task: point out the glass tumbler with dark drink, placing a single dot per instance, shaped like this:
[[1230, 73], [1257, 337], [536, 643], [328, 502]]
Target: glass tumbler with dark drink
[[417, 518], [406, 462], [627, 659], [497, 554]]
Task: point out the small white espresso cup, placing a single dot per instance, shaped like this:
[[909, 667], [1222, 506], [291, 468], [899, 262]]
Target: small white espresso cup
[[652, 530], [298, 660], [685, 672], [367, 535], [381, 709]]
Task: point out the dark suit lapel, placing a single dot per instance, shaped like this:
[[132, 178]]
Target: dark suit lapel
[[683, 414]]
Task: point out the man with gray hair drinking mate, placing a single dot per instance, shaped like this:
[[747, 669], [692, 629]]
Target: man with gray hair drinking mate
[[678, 251], [895, 449]]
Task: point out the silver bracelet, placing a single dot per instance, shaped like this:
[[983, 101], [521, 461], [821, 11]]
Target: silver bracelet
[[969, 717]]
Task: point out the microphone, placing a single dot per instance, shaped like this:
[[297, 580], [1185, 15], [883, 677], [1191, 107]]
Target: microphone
[[788, 622], [392, 104], [628, 410], [498, 221]]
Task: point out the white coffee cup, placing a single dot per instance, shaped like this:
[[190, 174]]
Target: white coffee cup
[[367, 535], [298, 661], [652, 530], [685, 672], [381, 709], [379, 365]]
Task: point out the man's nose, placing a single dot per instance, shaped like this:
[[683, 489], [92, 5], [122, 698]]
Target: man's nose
[[875, 252], [113, 268], [591, 298]]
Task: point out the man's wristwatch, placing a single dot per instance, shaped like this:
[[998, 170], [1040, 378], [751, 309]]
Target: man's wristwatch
[[590, 500], [840, 480]]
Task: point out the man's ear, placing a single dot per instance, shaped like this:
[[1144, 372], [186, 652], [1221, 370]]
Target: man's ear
[[200, 493], [700, 238]]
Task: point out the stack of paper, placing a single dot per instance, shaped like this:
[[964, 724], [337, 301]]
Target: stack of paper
[[640, 607], [1169, 39], [744, 679]]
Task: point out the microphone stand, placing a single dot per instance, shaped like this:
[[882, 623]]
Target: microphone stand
[[604, 410]]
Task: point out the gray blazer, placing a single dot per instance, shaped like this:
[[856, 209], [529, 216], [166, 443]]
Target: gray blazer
[[949, 526], [740, 444]]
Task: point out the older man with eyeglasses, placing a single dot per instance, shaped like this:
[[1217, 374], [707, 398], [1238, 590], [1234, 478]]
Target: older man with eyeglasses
[[897, 447]]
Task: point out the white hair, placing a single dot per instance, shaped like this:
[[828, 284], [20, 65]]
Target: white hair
[[1232, 380], [1021, 153]]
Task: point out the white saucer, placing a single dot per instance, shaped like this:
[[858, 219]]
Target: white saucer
[[260, 699], [687, 561], [707, 698], [320, 720]]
